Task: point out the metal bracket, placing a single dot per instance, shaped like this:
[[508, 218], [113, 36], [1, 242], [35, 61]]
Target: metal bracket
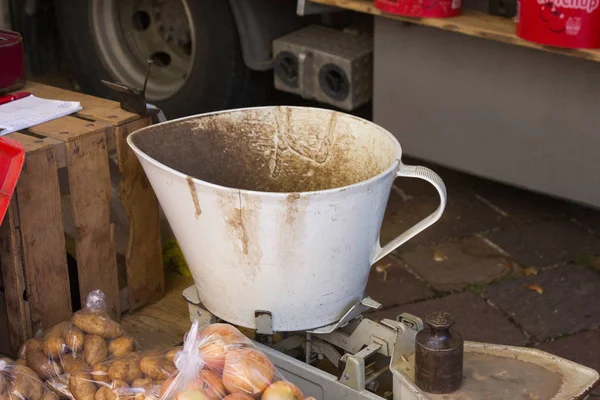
[[197, 312], [353, 374], [307, 7], [411, 321], [131, 99], [357, 310], [264, 322]]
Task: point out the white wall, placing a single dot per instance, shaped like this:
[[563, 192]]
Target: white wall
[[514, 114]]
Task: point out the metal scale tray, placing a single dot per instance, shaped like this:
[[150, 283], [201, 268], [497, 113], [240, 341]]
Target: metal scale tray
[[491, 372]]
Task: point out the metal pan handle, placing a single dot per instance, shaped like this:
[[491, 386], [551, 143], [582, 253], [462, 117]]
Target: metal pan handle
[[431, 177]]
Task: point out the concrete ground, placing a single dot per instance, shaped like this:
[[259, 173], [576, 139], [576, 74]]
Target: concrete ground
[[511, 266]]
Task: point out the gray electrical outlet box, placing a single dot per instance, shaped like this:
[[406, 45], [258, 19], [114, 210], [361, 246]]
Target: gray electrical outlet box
[[327, 65]]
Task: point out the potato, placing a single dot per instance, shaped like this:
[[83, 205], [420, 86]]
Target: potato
[[37, 360], [97, 323], [26, 383], [4, 382], [49, 395], [157, 368], [100, 373], [95, 349], [146, 384], [4, 385], [120, 346], [118, 384], [105, 393], [53, 344], [81, 386], [140, 383], [60, 384], [7, 361], [172, 353], [126, 369], [74, 338], [74, 363]]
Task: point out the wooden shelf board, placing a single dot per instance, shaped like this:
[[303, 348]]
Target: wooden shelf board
[[163, 323], [472, 23]]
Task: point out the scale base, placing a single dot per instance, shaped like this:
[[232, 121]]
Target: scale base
[[365, 352]]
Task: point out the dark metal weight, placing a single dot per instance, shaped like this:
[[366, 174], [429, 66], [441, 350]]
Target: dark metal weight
[[438, 355]]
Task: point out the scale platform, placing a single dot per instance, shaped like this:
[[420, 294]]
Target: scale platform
[[376, 361]]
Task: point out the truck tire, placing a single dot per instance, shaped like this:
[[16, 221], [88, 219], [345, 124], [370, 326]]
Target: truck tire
[[198, 65]]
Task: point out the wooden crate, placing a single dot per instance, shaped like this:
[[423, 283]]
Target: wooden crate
[[33, 256]]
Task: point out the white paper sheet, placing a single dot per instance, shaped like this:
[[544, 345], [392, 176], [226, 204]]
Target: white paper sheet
[[31, 111]]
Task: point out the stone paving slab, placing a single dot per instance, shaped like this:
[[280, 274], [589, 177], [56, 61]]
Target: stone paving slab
[[519, 205], [454, 180], [588, 217], [475, 319], [569, 301], [583, 348], [391, 284], [457, 264], [464, 215], [547, 243]]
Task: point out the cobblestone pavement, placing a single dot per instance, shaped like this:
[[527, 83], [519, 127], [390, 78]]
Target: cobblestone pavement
[[513, 267]]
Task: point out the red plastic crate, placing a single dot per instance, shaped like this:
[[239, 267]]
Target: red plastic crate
[[12, 156]]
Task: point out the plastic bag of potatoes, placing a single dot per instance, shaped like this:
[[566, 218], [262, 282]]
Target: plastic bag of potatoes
[[18, 382], [89, 338], [219, 362], [216, 363], [135, 376]]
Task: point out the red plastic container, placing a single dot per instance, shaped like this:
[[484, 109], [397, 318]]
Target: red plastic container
[[562, 23], [421, 8], [12, 156], [12, 67]]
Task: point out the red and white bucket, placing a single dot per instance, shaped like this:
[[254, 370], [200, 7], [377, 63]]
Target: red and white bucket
[[421, 8], [561, 23]]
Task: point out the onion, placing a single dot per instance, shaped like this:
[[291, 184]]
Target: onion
[[191, 395], [216, 340], [238, 396], [247, 371], [166, 385], [210, 384], [282, 390], [225, 332]]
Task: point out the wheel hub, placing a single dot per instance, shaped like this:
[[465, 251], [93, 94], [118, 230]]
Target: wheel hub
[[129, 32], [172, 22]]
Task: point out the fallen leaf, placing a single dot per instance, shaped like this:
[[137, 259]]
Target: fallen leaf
[[439, 256], [382, 269], [530, 395], [534, 287], [530, 271], [505, 265]]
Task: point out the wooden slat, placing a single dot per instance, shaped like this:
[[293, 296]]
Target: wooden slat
[[163, 323], [145, 275], [68, 128], [30, 144], [15, 288], [61, 130], [94, 108], [472, 23], [90, 193], [43, 242]]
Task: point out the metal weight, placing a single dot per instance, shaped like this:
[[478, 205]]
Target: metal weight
[[438, 355]]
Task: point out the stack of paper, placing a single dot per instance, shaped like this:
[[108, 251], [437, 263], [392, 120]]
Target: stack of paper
[[31, 111]]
